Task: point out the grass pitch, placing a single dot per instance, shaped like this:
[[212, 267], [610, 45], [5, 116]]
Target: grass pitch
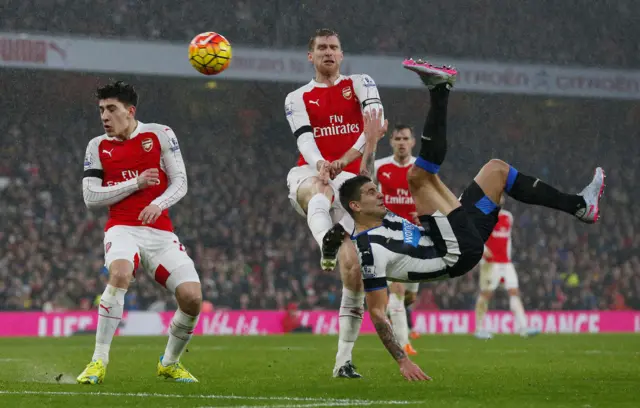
[[585, 371]]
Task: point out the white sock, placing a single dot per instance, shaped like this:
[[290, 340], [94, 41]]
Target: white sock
[[180, 332], [350, 320], [515, 304], [109, 317], [398, 316], [481, 310], [318, 217]]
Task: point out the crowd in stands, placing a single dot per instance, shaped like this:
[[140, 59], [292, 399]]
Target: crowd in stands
[[545, 31], [250, 247]]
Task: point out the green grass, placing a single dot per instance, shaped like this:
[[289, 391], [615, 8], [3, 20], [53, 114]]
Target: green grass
[[508, 371]]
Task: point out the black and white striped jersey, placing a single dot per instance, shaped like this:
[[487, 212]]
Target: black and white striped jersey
[[401, 251]]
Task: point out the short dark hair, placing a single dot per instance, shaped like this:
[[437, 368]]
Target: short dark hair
[[350, 191], [402, 126], [321, 32], [119, 90]]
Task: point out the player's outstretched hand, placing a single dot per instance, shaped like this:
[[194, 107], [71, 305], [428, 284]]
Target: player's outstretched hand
[[149, 177], [374, 127], [149, 215], [412, 372]]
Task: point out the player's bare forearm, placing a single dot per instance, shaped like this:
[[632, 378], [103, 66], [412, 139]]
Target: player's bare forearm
[[367, 167], [377, 301], [385, 332], [351, 155]]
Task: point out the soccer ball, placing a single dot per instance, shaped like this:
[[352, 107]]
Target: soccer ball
[[209, 53]]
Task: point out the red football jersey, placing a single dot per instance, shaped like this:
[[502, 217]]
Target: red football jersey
[[117, 161], [392, 181], [499, 243], [332, 114]]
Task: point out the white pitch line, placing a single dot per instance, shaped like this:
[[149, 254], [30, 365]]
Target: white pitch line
[[345, 402], [320, 404]]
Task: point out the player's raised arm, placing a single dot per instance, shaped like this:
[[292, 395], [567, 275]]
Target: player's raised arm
[[298, 118], [95, 194], [175, 169], [375, 126], [367, 93]]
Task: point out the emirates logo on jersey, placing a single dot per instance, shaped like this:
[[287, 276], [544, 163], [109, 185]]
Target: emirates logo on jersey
[[147, 144], [347, 93]]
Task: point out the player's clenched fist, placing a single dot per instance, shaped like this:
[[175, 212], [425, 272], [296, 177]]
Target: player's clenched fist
[[411, 371], [149, 177]]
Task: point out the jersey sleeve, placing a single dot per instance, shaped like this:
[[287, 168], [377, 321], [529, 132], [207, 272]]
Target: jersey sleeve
[[367, 93], [93, 192], [174, 167], [373, 264], [298, 118]]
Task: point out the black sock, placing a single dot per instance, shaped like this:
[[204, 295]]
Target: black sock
[[433, 146], [531, 190], [409, 321]]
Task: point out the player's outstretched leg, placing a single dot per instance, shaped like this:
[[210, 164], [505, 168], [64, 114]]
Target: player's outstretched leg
[[315, 198], [189, 298], [497, 177], [430, 194], [110, 312], [351, 309]]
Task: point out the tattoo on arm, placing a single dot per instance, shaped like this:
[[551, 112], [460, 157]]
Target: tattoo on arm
[[369, 165], [385, 332]]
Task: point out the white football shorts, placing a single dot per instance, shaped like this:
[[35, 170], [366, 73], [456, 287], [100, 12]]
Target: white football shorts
[[493, 274], [299, 174], [159, 252]]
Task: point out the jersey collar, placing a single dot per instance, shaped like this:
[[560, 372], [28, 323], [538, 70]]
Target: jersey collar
[[135, 133], [323, 85], [409, 163]]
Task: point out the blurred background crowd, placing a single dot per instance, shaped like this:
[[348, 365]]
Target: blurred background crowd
[[556, 32], [251, 248]]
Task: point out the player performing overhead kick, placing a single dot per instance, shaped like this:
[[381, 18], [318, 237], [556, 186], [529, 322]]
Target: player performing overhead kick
[[326, 118], [136, 170], [451, 239]]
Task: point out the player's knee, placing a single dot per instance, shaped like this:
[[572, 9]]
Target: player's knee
[[397, 289], [416, 177], [497, 167], [513, 292], [311, 187], [349, 266], [120, 273], [486, 294], [189, 297]]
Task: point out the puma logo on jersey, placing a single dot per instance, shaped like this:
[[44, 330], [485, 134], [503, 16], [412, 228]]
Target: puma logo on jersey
[[108, 152], [108, 309], [316, 102], [387, 175]]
